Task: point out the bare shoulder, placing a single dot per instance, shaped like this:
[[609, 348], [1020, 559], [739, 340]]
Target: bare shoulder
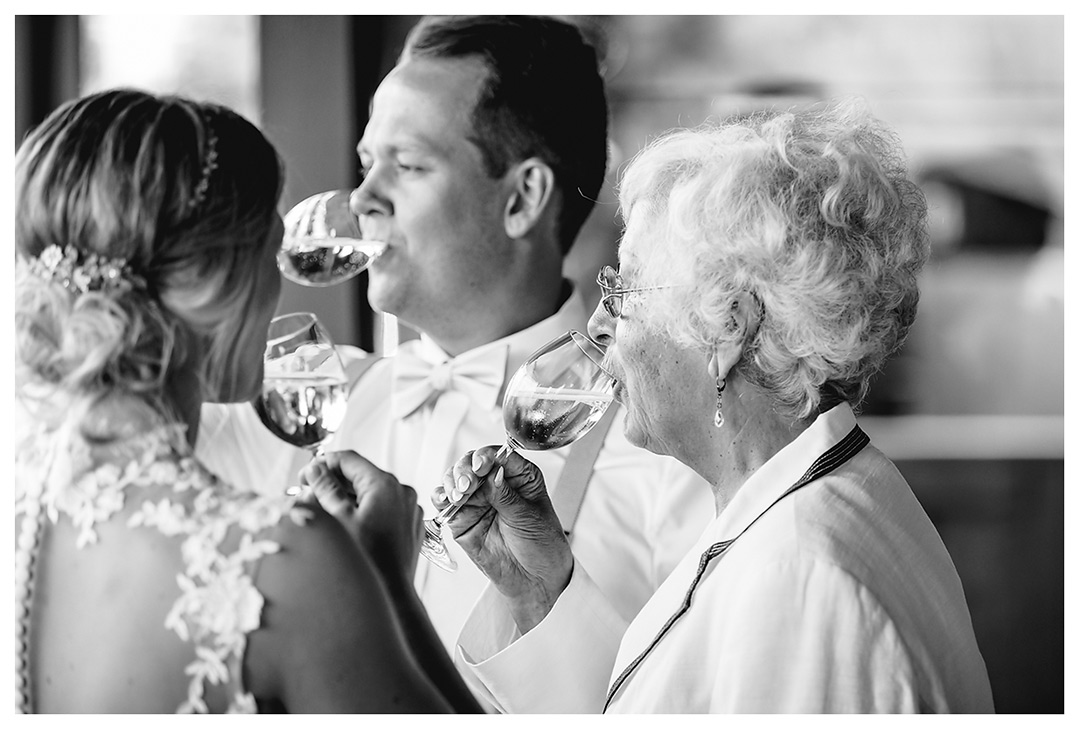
[[329, 627]]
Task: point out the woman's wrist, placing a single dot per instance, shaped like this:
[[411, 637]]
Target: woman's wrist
[[529, 608]]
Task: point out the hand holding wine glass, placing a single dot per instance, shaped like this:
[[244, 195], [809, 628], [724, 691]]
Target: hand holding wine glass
[[552, 400], [510, 530], [323, 244], [303, 394]]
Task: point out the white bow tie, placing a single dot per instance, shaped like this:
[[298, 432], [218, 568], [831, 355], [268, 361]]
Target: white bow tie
[[477, 375]]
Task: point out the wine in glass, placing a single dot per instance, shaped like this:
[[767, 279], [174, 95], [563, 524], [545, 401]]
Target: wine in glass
[[323, 244], [304, 392], [553, 399]]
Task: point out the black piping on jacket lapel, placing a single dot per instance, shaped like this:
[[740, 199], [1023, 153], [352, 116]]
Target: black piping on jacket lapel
[[840, 452]]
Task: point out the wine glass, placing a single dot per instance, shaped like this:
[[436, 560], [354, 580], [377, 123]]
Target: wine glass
[[323, 244], [553, 399], [303, 392]]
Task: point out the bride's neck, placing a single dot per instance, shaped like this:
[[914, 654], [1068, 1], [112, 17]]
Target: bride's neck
[[184, 396], [121, 416]]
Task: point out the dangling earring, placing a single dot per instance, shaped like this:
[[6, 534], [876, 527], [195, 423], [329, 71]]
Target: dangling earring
[[720, 385]]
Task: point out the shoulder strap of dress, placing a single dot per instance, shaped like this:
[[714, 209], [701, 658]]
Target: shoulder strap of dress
[[576, 472]]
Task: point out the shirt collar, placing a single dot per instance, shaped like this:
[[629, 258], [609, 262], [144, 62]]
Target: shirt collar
[[783, 470], [571, 315]]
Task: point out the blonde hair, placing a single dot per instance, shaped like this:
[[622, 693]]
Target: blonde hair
[[186, 194], [809, 211]]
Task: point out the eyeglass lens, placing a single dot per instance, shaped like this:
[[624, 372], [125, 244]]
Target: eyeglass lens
[[609, 282]]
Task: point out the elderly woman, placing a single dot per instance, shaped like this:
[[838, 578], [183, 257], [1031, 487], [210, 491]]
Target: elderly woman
[[768, 270]]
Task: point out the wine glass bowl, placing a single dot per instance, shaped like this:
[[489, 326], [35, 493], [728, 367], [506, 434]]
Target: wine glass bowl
[[323, 244], [557, 395], [304, 384], [552, 400]]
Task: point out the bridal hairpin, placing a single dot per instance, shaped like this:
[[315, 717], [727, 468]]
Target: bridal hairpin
[[198, 193], [93, 273]]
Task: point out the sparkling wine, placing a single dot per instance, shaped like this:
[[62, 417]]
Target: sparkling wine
[[549, 418], [302, 409], [327, 261]]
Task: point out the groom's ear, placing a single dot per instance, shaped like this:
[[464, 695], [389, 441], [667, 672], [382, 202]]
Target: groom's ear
[[533, 184]]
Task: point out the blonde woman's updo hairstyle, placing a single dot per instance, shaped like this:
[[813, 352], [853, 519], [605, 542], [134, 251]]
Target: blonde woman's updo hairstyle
[[184, 194], [812, 213]]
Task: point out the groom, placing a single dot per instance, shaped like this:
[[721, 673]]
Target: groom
[[485, 149]]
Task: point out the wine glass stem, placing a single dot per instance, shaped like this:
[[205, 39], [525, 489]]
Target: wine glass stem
[[500, 459], [315, 451]]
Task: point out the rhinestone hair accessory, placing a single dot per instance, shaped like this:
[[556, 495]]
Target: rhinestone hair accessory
[[198, 193], [92, 273]]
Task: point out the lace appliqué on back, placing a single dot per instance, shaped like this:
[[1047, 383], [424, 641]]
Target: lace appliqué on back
[[219, 604]]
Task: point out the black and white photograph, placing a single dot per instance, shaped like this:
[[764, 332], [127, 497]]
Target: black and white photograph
[[540, 364]]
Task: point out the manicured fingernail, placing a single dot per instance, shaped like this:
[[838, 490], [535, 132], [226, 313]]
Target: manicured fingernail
[[462, 484], [477, 461], [498, 480]]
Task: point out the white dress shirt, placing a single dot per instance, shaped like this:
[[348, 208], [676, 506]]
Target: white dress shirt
[[640, 514], [840, 598]]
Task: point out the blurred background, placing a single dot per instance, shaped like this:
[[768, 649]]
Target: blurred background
[[972, 410]]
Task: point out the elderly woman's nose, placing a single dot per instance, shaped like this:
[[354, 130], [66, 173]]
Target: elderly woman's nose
[[601, 326]]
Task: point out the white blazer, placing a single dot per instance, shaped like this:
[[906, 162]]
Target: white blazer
[[839, 597]]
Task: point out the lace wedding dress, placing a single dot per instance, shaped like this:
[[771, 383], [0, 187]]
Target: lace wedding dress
[[166, 490]]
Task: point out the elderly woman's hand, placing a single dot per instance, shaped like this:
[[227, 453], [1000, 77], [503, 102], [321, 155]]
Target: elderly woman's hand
[[378, 511], [508, 527]]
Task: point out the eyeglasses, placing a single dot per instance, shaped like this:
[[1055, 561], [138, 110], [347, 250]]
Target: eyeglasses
[[612, 290]]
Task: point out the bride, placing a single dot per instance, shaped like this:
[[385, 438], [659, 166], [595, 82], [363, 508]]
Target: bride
[[146, 232]]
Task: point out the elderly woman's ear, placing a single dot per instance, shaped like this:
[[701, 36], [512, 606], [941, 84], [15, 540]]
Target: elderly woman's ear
[[742, 326], [745, 316]]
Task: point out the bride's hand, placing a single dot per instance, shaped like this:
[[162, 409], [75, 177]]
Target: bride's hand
[[379, 512]]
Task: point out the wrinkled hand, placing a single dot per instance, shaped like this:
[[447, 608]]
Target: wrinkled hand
[[508, 527], [378, 511]]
